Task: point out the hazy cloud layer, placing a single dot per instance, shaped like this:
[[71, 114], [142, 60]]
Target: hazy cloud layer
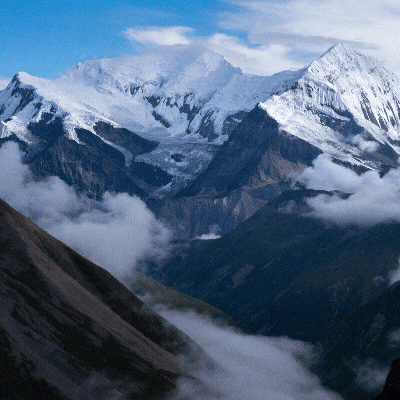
[[373, 199], [371, 376], [265, 59], [113, 233], [291, 34], [4, 82], [249, 367], [258, 60], [309, 27]]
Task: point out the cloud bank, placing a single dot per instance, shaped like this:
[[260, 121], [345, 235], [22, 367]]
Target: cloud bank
[[248, 367], [114, 233], [308, 27], [258, 60], [372, 199], [263, 37]]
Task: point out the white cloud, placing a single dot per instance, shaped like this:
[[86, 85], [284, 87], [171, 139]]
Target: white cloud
[[4, 82], [309, 27], [160, 36], [368, 146], [114, 233], [394, 275], [257, 60], [212, 234], [373, 199], [393, 339], [327, 175], [291, 34], [244, 366], [371, 376]]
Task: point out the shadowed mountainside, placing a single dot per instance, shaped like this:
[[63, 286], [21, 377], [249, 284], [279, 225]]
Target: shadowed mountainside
[[69, 330], [284, 273]]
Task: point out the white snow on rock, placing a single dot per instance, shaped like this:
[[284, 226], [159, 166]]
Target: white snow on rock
[[342, 85], [181, 96], [163, 95]]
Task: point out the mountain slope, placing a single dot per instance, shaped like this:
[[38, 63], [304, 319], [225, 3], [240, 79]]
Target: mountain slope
[[367, 337], [257, 155], [346, 104], [74, 329], [179, 100], [186, 127], [284, 273]]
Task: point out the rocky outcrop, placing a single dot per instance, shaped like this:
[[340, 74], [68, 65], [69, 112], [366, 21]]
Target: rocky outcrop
[[258, 154], [93, 166]]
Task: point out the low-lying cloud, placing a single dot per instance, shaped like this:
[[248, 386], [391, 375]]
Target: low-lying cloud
[[371, 199], [114, 233], [371, 376], [245, 366], [212, 234]]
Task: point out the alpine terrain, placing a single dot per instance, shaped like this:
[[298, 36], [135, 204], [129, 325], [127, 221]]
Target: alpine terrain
[[217, 153]]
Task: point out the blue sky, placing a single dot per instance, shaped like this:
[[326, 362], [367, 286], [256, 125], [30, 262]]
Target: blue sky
[[46, 37]]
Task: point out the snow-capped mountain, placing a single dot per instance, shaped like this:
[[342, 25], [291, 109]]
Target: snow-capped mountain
[[157, 121], [179, 97], [346, 104]]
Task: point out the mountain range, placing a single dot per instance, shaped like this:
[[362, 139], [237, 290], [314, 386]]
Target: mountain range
[[210, 149], [184, 128]]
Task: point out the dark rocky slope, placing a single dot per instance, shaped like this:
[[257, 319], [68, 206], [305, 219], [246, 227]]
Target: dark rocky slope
[[284, 273], [366, 338], [254, 166], [69, 330], [93, 166], [391, 390], [256, 155]]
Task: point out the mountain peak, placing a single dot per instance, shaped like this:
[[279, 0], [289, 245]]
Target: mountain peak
[[342, 60], [343, 95], [153, 65]]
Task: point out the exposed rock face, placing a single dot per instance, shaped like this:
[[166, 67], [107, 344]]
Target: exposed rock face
[[346, 104], [253, 166], [187, 124], [69, 330], [96, 168], [257, 154], [391, 390]]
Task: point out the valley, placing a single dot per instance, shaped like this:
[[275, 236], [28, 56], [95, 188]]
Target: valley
[[267, 203]]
